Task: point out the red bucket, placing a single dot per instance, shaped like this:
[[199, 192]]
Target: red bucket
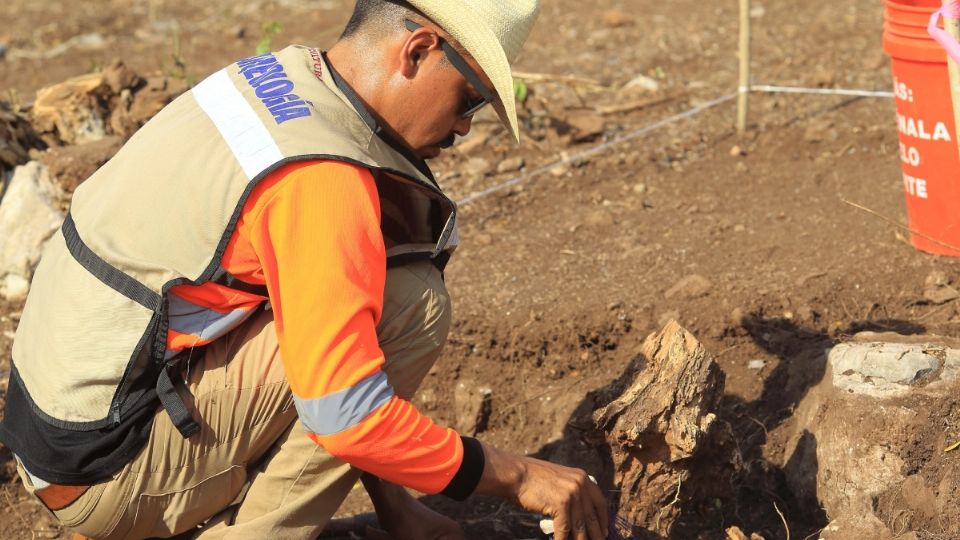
[[928, 146]]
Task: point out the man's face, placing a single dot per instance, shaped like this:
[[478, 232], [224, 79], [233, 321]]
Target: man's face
[[432, 104]]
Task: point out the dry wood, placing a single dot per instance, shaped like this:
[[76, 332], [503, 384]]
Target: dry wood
[[659, 422], [743, 98], [566, 79], [901, 225], [636, 104]]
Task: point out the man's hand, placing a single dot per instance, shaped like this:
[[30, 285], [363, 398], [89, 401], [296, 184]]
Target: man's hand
[[575, 503], [406, 518]]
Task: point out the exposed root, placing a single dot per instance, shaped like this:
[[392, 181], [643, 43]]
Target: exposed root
[[676, 499], [783, 519]]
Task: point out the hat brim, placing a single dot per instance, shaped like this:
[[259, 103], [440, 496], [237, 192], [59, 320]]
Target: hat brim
[[484, 47]]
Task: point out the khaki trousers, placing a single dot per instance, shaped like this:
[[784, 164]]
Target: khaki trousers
[[251, 472]]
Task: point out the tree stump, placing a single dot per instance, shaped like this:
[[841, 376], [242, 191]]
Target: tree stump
[[17, 138], [659, 424]]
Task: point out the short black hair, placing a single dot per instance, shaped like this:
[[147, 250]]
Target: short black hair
[[367, 11]]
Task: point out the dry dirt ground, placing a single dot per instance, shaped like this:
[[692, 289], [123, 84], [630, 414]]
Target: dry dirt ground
[[561, 276]]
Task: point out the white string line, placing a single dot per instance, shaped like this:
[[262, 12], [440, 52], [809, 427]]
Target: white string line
[[822, 91], [595, 150], [657, 125]]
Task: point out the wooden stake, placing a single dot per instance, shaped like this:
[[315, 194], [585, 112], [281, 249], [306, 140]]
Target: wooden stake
[[952, 26], [743, 99]]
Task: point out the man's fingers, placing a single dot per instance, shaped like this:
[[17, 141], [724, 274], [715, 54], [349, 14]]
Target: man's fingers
[[561, 525], [592, 522], [599, 505], [578, 523]]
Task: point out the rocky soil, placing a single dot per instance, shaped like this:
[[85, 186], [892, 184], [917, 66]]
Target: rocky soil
[[606, 223]]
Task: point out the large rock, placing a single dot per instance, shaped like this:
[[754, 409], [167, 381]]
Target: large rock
[[867, 442], [28, 217]]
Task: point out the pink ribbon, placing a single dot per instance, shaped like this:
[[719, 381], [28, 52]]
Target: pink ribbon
[[950, 11]]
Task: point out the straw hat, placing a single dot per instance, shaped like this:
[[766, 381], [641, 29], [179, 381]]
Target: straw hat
[[493, 32]]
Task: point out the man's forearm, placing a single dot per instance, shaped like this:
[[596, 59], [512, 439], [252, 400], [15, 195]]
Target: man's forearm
[[384, 495], [503, 474]]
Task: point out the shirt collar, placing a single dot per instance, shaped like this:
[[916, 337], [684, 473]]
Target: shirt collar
[[370, 120]]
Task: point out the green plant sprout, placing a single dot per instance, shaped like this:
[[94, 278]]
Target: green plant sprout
[[269, 31]]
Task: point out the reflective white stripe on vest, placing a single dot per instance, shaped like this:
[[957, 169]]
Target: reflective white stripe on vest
[[342, 410], [238, 123], [207, 324]]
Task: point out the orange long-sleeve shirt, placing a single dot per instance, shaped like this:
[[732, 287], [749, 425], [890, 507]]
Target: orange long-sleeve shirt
[[311, 233]]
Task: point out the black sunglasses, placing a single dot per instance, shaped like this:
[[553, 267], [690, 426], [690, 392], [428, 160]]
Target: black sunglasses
[[486, 95]]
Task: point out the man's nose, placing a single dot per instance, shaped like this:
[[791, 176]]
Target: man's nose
[[462, 127]]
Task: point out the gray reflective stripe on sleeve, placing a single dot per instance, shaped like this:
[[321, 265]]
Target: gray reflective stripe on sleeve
[[207, 324], [342, 410], [38, 483], [238, 123], [454, 239]]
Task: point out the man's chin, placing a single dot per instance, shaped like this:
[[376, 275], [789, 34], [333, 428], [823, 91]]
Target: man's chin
[[429, 152]]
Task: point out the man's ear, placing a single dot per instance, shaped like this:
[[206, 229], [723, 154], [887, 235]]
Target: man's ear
[[415, 50]]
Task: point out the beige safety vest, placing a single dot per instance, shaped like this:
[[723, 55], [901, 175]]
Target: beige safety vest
[[90, 347]]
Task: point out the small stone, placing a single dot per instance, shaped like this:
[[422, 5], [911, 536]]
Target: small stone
[[615, 18], [757, 12], [476, 167], [825, 78], [756, 364], [819, 131], [238, 31], [427, 397], [510, 165], [586, 123], [941, 295], [734, 533], [14, 287], [736, 316], [736, 151], [739, 228], [475, 140], [640, 188], [472, 406], [483, 239], [642, 82], [936, 278], [3, 52], [689, 287], [806, 314], [600, 218]]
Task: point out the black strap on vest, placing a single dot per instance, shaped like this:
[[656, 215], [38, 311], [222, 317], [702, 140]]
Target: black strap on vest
[[143, 295], [222, 277], [167, 386], [105, 272], [173, 403]]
